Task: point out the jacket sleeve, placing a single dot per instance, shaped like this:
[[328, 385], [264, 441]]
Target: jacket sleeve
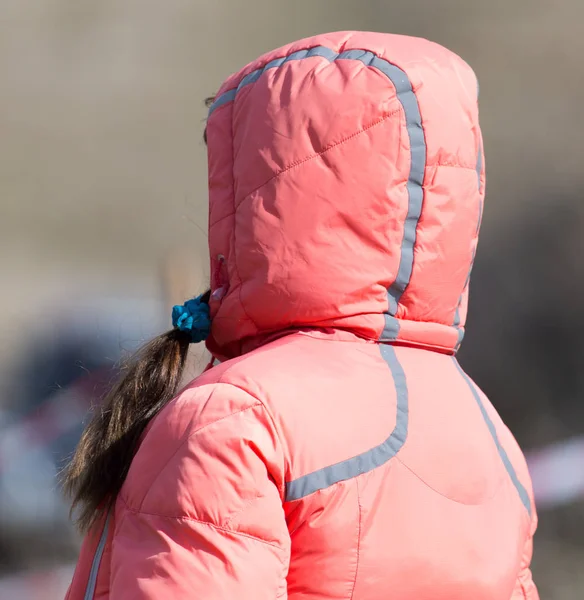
[[525, 588], [211, 523]]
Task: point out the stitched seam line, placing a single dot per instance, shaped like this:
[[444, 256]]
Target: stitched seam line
[[282, 489], [201, 522], [285, 568], [231, 214], [235, 265], [192, 434], [245, 506], [427, 485], [452, 166], [358, 538], [326, 149]]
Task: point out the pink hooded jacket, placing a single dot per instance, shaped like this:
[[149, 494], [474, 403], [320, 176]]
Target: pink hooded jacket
[[338, 451]]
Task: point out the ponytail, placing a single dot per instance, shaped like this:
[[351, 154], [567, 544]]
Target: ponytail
[[149, 381]]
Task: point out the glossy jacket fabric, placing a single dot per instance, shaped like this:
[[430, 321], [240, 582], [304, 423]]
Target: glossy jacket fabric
[[338, 451]]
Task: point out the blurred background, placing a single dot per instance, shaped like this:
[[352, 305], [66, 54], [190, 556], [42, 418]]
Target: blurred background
[[103, 218]]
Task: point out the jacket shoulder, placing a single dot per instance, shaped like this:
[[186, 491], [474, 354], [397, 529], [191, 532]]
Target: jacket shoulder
[[200, 428]]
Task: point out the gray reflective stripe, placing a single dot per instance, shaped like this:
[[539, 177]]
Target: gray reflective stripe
[[411, 108], [480, 165], [363, 463], [223, 99], [409, 102], [459, 338], [390, 330], [456, 322], [90, 589], [252, 77], [506, 462]]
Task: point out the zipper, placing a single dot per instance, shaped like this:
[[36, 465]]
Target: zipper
[[92, 581]]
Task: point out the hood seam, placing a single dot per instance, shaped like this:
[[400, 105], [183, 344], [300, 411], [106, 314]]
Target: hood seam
[[331, 146], [233, 233]]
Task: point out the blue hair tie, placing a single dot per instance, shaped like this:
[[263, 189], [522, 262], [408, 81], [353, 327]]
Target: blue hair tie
[[193, 317]]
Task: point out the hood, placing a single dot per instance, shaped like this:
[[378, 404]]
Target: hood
[[346, 186]]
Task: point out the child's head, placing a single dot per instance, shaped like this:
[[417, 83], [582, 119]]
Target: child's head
[[346, 185]]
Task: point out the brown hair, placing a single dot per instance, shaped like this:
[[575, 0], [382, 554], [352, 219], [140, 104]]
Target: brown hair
[[103, 456], [101, 462], [102, 459]]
